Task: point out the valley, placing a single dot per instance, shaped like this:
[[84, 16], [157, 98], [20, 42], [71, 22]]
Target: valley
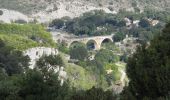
[[84, 50]]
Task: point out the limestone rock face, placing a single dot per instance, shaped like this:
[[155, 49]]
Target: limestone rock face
[[9, 16], [36, 53]]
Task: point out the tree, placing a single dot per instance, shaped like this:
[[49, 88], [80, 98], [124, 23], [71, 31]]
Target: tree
[[118, 37], [9, 88], [93, 94], [63, 47], [13, 61], [57, 23], [105, 56], [149, 70], [36, 87], [144, 23], [78, 52], [1, 12], [42, 82], [102, 58], [121, 24], [52, 60], [114, 75], [34, 84]]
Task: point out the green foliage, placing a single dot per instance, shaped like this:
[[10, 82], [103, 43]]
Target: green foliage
[[79, 77], [1, 12], [76, 44], [57, 23], [9, 88], [118, 37], [105, 56], [121, 24], [115, 74], [100, 23], [149, 69], [93, 94], [145, 34], [11, 60], [124, 58], [92, 23], [40, 83], [97, 66], [47, 64], [25, 36], [109, 46], [144, 23], [36, 86], [18, 42], [51, 59], [63, 47], [78, 52]]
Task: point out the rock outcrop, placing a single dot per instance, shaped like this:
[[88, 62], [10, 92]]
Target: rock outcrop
[[35, 53]]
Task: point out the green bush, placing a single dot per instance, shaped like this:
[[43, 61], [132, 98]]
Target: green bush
[[25, 36], [79, 53]]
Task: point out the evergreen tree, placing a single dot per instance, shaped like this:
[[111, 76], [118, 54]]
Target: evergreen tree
[[149, 70]]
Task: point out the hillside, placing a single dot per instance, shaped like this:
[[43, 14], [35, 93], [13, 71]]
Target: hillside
[[45, 10], [22, 37]]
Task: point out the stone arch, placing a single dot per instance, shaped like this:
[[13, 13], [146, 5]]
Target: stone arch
[[92, 45], [73, 42], [106, 40]]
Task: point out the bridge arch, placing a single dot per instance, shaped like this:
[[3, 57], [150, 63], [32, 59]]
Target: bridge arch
[[73, 44], [106, 40], [92, 45]]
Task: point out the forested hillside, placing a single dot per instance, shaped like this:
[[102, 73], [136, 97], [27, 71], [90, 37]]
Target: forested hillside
[[84, 50], [147, 70]]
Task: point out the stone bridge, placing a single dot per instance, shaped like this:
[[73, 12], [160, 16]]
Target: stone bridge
[[96, 40], [59, 36]]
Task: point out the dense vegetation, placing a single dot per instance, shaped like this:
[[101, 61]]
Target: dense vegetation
[[90, 65], [93, 94], [25, 36], [103, 60], [78, 51], [100, 23], [13, 62], [40, 83], [149, 70]]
